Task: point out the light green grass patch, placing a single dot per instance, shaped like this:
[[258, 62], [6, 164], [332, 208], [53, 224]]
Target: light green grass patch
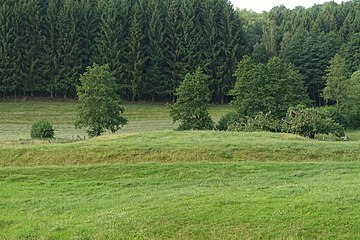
[[16, 118], [173, 146]]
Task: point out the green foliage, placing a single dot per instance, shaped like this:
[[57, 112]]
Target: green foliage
[[308, 121], [227, 120], [99, 104], [336, 113], [256, 123], [191, 107], [351, 51], [42, 129], [261, 88], [351, 105], [336, 76], [150, 45], [310, 52]]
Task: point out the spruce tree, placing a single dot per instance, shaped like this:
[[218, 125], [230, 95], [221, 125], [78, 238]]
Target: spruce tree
[[68, 50], [136, 52], [110, 44], [156, 80], [33, 57], [9, 48], [173, 53]]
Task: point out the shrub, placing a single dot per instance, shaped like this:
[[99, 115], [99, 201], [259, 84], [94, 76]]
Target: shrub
[[336, 114], [42, 129], [308, 122], [259, 122], [227, 120]]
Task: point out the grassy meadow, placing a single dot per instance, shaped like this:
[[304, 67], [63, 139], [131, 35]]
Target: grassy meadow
[[16, 118], [149, 182]]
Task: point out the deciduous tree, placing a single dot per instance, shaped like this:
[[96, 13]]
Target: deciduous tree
[[99, 105], [191, 107]]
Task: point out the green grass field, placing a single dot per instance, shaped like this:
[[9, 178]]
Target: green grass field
[[155, 183], [16, 118]]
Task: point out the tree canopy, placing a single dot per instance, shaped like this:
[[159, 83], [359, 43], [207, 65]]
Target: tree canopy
[[271, 87]]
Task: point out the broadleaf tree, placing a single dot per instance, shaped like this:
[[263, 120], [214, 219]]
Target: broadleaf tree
[[192, 104], [99, 105], [271, 87]]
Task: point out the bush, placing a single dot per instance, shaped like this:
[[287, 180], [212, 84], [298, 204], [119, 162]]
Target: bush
[[259, 122], [336, 114], [308, 122], [227, 120], [42, 129]]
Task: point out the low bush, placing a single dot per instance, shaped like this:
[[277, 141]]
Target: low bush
[[308, 122], [227, 120], [299, 120], [42, 129], [335, 113], [260, 122]]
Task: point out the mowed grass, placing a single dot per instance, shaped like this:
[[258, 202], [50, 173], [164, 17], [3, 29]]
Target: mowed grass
[[151, 183], [203, 200], [16, 117]]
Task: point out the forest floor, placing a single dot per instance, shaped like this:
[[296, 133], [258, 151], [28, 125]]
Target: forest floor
[[151, 182]]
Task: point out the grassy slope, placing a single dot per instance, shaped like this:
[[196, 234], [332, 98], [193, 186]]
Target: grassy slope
[[179, 185]]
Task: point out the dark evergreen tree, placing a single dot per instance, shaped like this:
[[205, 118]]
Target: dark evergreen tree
[[110, 44], [9, 48], [310, 53], [136, 52], [33, 57], [156, 83], [172, 39], [88, 21], [68, 50]]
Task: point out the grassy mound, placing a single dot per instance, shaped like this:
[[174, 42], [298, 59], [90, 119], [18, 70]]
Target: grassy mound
[[170, 146]]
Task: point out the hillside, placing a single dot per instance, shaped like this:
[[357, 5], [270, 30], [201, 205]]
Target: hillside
[[181, 185], [150, 182]]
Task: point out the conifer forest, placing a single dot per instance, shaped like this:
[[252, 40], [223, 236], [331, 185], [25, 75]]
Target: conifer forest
[[150, 45]]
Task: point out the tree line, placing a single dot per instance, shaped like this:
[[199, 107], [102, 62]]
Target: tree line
[[307, 38], [149, 45]]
